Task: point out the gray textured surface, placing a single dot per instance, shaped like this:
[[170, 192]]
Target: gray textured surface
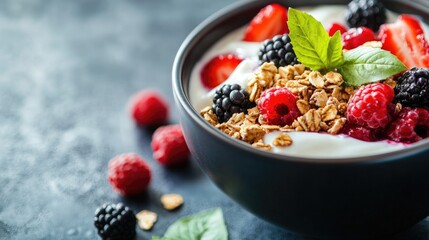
[[67, 69]]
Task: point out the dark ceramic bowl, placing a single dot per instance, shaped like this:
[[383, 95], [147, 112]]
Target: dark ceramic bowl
[[346, 198]]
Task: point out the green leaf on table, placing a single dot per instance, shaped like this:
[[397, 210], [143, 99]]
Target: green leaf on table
[[365, 65], [206, 225], [312, 44]]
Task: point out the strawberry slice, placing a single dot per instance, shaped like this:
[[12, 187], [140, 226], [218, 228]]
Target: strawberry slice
[[406, 39], [218, 69], [269, 22]]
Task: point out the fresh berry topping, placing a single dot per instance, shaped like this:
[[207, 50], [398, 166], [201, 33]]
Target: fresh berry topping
[[412, 88], [278, 50], [115, 222], [406, 39], [366, 13], [371, 105], [411, 125], [129, 174], [269, 22], [355, 37], [361, 133], [230, 99], [169, 146], [278, 106], [149, 108], [336, 27], [218, 69]]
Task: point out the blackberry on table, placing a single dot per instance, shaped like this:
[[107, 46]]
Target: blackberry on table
[[278, 50], [230, 99], [412, 88], [366, 13], [115, 222]]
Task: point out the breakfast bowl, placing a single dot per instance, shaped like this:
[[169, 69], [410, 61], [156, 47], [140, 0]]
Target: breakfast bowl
[[346, 197]]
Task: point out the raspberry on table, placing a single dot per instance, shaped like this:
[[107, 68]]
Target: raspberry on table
[[278, 50], [371, 106], [129, 174], [115, 222], [278, 106], [230, 99], [412, 88], [169, 146], [411, 125], [149, 108], [366, 13]]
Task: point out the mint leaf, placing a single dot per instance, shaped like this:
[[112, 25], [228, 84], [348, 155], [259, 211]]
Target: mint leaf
[[312, 44], [206, 225], [335, 51], [364, 65]]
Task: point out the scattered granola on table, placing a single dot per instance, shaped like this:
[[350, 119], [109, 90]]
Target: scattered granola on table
[[146, 219], [171, 201]]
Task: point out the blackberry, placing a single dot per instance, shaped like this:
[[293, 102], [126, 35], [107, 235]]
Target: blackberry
[[230, 99], [412, 88], [366, 13], [278, 50], [115, 222]]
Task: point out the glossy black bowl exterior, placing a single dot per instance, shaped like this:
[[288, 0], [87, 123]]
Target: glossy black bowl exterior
[[345, 198]]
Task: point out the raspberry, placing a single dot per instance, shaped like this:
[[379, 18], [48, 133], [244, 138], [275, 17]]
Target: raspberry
[[169, 146], [336, 27], [355, 37], [371, 105], [361, 133], [129, 174], [411, 125], [278, 106], [148, 108], [115, 222]]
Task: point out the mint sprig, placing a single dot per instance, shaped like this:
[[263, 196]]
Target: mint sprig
[[364, 65], [316, 50], [204, 225], [312, 44]]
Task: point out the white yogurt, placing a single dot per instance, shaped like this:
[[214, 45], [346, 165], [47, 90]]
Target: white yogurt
[[305, 144]]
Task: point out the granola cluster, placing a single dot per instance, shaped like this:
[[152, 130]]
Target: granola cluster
[[322, 102]]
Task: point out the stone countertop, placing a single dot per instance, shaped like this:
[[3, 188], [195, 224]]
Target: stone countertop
[[67, 70]]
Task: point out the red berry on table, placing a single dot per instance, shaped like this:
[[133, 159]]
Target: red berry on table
[[371, 106], [218, 69], [129, 174], [149, 108], [278, 106], [336, 27], [269, 22], [411, 125], [169, 146], [355, 37], [406, 39]]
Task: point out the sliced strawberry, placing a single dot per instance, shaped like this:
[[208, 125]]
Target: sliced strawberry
[[406, 39], [218, 69], [269, 22], [336, 27], [355, 37]]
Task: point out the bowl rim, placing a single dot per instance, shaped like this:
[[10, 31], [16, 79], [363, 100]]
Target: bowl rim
[[182, 99]]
